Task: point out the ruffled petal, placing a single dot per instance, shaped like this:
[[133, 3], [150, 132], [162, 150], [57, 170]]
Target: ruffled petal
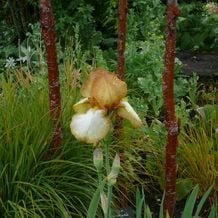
[[104, 89], [126, 111], [91, 126], [82, 106]]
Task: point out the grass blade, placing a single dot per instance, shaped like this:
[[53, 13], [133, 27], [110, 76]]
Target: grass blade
[[190, 203], [213, 211], [202, 201], [161, 212], [139, 203], [93, 206], [147, 210]]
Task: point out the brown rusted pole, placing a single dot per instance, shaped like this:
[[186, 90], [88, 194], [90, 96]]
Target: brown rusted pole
[[48, 32], [121, 44], [169, 108]]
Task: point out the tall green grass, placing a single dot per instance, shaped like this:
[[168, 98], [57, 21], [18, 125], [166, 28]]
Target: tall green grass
[[31, 185]]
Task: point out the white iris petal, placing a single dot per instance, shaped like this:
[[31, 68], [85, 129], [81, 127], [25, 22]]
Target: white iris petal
[[126, 111], [91, 126]]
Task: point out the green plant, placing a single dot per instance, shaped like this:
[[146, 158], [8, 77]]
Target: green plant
[[83, 18], [194, 17], [146, 78], [112, 174], [198, 150], [32, 186], [193, 90], [144, 58], [141, 207], [104, 96], [28, 54], [197, 158], [192, 207]]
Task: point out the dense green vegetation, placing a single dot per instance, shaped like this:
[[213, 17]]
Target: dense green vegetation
[[32, 184]]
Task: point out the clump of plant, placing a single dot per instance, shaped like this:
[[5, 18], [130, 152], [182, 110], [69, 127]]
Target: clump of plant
[[195, 17], [198, 151], [144, 57], [194, 206], [32, 185]]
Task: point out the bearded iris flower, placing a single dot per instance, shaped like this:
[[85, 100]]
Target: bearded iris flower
[[104, 94]]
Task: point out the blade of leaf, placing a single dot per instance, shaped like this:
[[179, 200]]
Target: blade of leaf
[[139, 203], [213, 211], [161, 212], [189, 205], [147, 212], [93, 206], [202, 201]]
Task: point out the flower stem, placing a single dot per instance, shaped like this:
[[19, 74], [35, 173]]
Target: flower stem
[[109, 197], [109, 190], [100, 181]]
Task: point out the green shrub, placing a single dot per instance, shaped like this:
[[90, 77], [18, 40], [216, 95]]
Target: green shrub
[[195, 18]]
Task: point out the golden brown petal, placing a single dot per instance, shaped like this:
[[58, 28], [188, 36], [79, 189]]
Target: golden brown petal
[[104, 88]]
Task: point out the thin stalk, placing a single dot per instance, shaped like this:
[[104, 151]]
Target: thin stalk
[[109, 197], [109, 187], [100, 183], [49, 35], [169, 108]]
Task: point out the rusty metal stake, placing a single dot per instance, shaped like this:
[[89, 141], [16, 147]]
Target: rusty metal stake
[[169, 108], [48, 32]]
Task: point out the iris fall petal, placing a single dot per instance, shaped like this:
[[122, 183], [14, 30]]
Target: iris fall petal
[[126, 111], [91, 126]]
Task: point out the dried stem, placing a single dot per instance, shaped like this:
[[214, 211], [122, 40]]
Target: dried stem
[[49, 36], [169, 108]]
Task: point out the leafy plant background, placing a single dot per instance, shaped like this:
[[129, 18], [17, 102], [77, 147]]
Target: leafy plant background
[[87, 39]]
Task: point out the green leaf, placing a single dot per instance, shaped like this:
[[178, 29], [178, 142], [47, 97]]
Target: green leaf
[[203, 199], [213, 211], [190, 203], [139, 202], [161, 212], [93, 206], [183, 187], [147, 210]]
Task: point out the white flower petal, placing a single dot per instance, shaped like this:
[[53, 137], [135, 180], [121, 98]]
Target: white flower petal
[[82, 106], [91, 126], [126, 111]]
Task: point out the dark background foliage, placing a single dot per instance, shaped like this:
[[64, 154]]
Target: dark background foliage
[[96, 21]]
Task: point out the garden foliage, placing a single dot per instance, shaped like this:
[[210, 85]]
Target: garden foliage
[[33, 186]]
